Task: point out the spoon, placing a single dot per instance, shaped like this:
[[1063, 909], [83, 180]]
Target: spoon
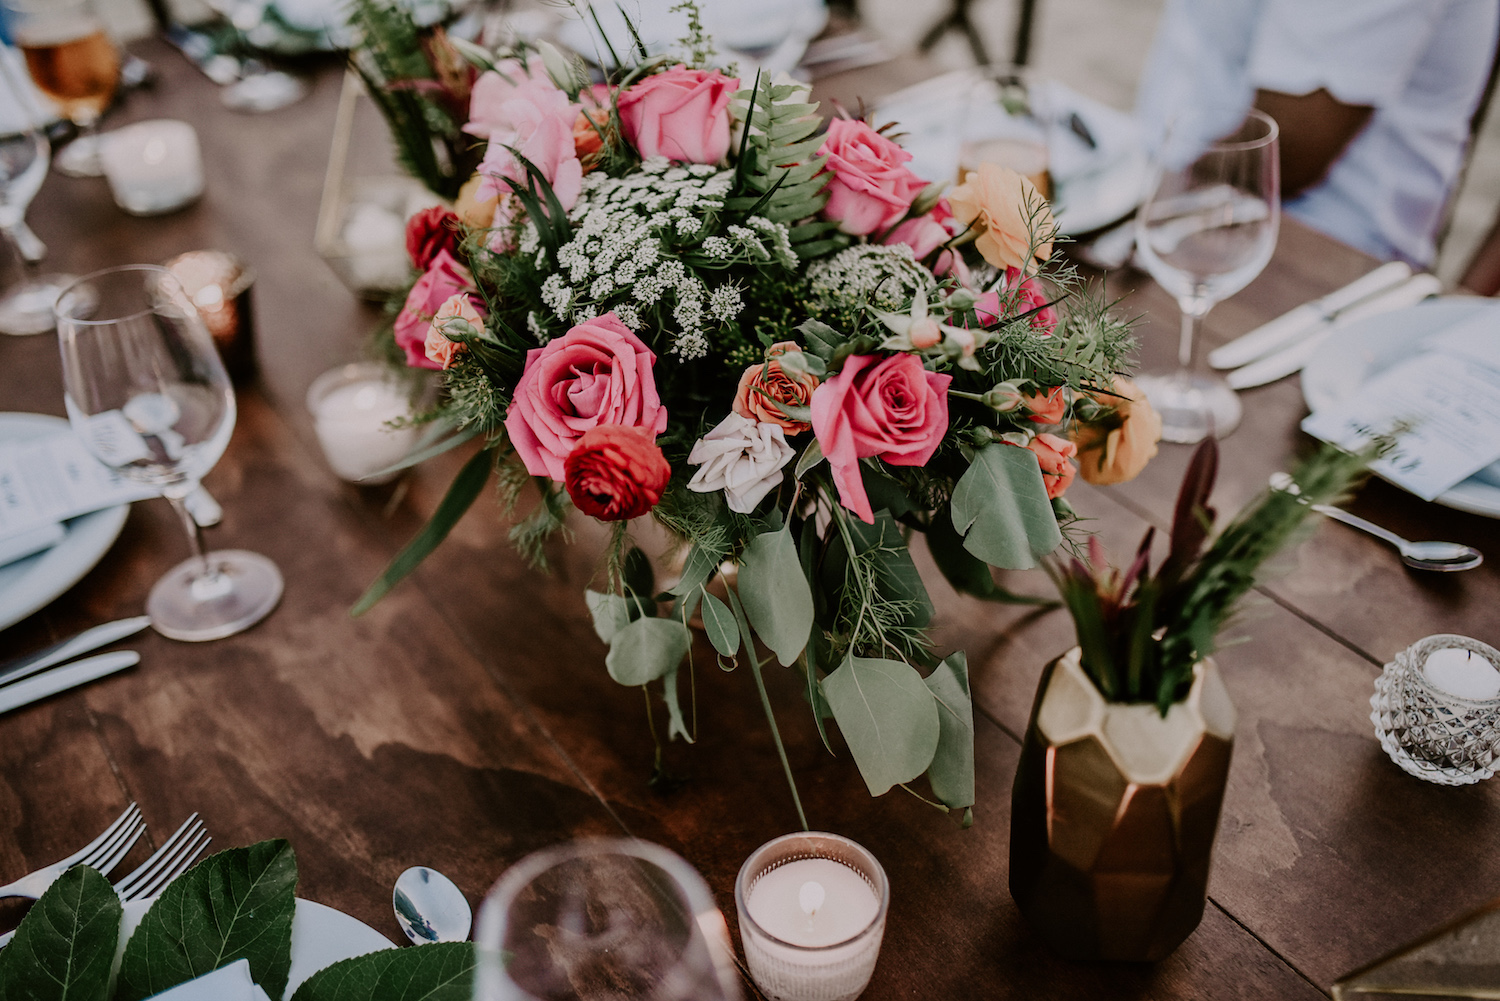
[[429, 908], [1444, 557]]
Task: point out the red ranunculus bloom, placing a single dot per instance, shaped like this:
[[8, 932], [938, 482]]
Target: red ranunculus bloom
[[429, 231], [616, 473]]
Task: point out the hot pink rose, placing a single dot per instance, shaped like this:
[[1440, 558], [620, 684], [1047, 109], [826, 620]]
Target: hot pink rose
[[871, 188], [444, 279], [597, 373], [536, 119], [680, 114], [891, 409], [1031, 295]]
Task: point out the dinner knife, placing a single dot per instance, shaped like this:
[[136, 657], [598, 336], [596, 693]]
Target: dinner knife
[[89, 639], [1308, 317], [23, 693], [1290, 360]]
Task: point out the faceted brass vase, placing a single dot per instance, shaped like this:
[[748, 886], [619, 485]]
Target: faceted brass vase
[[1114, 812]]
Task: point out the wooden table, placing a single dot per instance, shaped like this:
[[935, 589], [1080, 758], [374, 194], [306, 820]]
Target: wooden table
[[468, 719]]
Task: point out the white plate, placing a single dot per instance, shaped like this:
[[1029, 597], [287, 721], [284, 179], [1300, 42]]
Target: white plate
[[321, 936], [29, 584], [1353, 355]]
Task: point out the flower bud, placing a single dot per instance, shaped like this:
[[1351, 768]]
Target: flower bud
[[1004, 398], [925, 333]]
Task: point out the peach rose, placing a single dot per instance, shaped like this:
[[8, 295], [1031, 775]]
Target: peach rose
[[767, 384], [456, 308], [995, 200], [1121, 453], [1052, 454], [1047, 407], [473, 208]]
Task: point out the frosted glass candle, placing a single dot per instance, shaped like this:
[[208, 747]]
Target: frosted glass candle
[[352, 408], [153, 167], [812, 913]]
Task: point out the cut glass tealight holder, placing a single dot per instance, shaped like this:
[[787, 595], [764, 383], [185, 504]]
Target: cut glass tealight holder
[[1428, 731]]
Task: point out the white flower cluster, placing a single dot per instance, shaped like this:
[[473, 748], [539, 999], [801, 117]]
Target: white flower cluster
[[631, 236], [886, 277]]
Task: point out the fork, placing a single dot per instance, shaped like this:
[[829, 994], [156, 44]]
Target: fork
[[165, 864], [103, 853]]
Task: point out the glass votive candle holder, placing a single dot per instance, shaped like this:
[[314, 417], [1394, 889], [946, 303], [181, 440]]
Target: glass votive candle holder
[[219, 285], [812, 913], [152, 167], [352, 408], [1436, 709]]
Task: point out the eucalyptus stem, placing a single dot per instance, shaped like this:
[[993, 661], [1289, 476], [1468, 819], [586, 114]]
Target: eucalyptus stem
[[786, 766]]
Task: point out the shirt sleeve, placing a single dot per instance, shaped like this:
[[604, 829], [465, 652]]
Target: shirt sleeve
[[1362, 51]]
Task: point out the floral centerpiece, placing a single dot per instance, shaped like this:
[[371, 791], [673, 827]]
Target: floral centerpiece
[[671, 292]]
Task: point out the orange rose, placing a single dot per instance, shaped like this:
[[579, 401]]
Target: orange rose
[[1052, 454], [1122, 452], [765, 385], [473, 210], [1047, 407], [587, 136], [998, 203]]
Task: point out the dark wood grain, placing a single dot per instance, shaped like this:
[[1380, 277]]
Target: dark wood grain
[[468, 719]]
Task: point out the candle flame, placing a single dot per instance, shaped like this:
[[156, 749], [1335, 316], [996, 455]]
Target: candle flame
[[810, 897]]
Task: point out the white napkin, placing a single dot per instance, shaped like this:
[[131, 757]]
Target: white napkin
[[227, 983]]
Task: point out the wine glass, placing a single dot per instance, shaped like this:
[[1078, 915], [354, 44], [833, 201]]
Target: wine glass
[[73, 61], [25, 308], [603, 920], [1206, 231], [147, 393]]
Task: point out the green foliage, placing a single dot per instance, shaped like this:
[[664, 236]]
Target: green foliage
[[776, 597], [888, 717], [1000, 507], [441, 971], [646, 650], [951, 773], [778, 170], [237, 904], [66, 942]]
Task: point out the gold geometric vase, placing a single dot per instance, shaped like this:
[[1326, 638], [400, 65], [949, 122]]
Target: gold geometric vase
[[1113, 814]]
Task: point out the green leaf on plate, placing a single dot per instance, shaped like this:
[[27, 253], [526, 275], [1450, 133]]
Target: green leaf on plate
[[1000, 507], [952, 770], [777, 600], [237, 904], [66, 943], [718, 622], [888, 717], [646, 650], [442, 971], [459, 498], [611, 613]]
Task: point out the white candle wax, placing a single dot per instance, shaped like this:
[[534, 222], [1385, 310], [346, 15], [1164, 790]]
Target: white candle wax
[[352, 423], [153, 167], [813, 902], [376, 238], [1462, 673]]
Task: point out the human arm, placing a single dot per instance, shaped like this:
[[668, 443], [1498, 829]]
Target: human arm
[[1315, 130]]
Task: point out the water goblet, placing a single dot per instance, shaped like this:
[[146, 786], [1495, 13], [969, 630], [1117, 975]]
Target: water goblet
[[1207, 229], [146, 392], [26, 307], [603, 920], [74, 62]]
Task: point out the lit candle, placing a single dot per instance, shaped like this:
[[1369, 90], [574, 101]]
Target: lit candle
[[153, 167], [1462, 673], [812, 916], [352, 409], [219, 286]]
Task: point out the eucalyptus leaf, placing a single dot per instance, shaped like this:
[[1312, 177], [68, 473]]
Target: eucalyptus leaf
[[952, 770], [884, 492], [697, 570], [441, 971], [646, 650], [1000, 507], [810, 457], [676, 723], [638, 574], [966, 572], [896, 578], [718, 622], [888, 717], [66, 942], [237, 904], [611, 613], [776, 597]]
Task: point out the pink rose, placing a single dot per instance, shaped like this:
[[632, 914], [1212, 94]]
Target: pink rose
[[536, 119], [1031, 295], [444, 279], [680, 114], [597, 373], [891, 409], [926, 233], [871, 188]]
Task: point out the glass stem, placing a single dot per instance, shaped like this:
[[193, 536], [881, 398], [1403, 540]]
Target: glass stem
[[195, 536], [1187, 343]]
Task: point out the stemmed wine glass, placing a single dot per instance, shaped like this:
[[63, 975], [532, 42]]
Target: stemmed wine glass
[[1207, 230], [147, 393], [72, 60], [603, 920], [26, 308]]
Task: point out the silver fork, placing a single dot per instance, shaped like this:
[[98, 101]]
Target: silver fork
[[103, 853], [165, 864]]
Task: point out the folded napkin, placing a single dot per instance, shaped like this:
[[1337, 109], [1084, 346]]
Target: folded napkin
[[227, 983]]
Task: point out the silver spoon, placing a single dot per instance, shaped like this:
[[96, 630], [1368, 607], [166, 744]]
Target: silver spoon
[[429, 908], [1444, 557]]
